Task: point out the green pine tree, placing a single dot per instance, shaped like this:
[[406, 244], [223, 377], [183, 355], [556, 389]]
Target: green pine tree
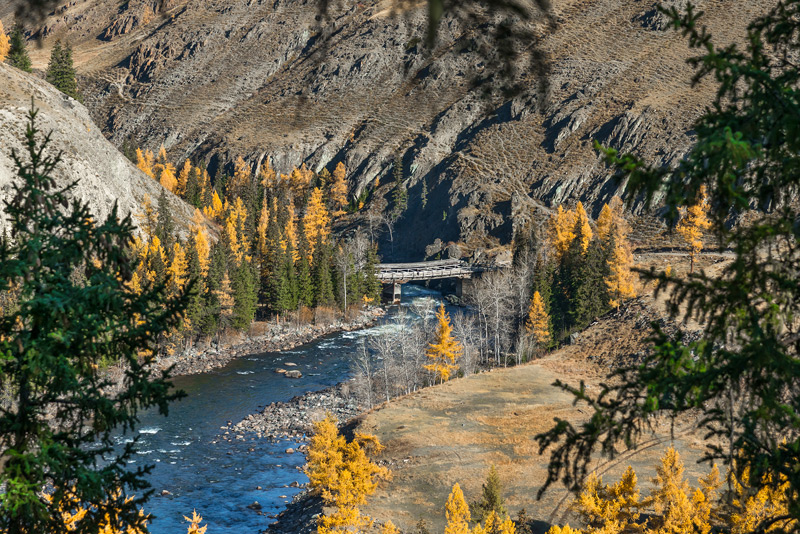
[[491, 498], [61, 72], [245, 292], [372, 286], [58, 430], [195, 308], [194, 189], [590, 298], [18, 54], [165, 227], [322, 275], [305, 282]]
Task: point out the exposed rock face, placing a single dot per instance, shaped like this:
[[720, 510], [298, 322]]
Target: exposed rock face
[[213, 79], [103, 174]]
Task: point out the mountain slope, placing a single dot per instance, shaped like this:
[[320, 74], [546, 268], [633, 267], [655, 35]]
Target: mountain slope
[[214, 79], [103, 174]]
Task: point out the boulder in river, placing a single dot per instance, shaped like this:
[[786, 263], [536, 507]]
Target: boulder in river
[[293, 374], [281, 371]]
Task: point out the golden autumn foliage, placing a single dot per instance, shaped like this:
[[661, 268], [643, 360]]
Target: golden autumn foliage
[[235, 230], [194, 527], [268, 176], [753, 505], [560, 231], [201, 242], [582, 222], [290, 235], [183, 178], [179, 268], [675, 507], [168, 180], [555, 529], [692, 225], [215, 209], [613, 230], [445, 350], [317, 221], [339, 190], [495, 524], [389, 528], [343, 475], [457, 512], [538, 323], [144, 161], [5, 43]]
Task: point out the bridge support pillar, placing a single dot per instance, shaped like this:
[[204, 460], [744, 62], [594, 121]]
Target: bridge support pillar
[[392, 292], [459, 287]]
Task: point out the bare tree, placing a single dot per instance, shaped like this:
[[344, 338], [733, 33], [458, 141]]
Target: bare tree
[[364, 372], [492, 297], [467, 331]]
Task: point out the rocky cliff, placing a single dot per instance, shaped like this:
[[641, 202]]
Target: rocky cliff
[[104, 175], [213, 79]]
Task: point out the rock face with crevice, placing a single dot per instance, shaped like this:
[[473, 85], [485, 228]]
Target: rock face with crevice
[[103, 175], [213, 79]]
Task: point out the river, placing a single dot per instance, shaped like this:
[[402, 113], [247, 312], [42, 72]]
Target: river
[[204, 472]]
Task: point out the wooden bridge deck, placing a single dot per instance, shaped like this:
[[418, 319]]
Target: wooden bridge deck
[[425, 270]]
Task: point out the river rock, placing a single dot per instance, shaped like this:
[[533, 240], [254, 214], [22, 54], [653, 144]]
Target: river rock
[[293, 374], [290, 364], [290, 451], [280, 371], [255, 506]]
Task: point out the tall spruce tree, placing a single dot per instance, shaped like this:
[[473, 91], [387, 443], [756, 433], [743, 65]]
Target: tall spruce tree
[[245, 296], [57, 434], [323, 284], [165, 227], [18, 53], [61, 72]]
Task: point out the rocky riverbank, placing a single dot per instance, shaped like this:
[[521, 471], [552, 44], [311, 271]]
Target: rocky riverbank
[[295, 417], [277, 338]]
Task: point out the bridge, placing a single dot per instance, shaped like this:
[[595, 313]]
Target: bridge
[[392, 275]]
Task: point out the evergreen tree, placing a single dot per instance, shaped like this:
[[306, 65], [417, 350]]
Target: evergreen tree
[[399, 194], [58, 430], [245, 293], [60, 71], [491, 498], [372, 286], [323, 284], [165, 228], [305, 283], [590, 293], [194, 188], [18, 53], [195, 308]]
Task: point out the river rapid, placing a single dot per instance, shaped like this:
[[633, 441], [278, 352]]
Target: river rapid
[[203, 471]]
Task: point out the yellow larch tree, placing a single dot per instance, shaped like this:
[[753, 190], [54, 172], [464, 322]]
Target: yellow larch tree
[[339, 190], [241, 176], [215, 209], [538, 323], [609, 509], [317, 221], [194, 527], [179, 268], [445, 350], [5, 43], [144, 160], [560, 230], [225, 298], [457, 512], [201, 241], [343, 475], [582, 222], [290, 234], [759, 506], [495, 524], [389, 528], [692, 225], [555, 529], [613, 229], [268, 176], [235, 230], [183, 178], [263, 224], [168, 179]]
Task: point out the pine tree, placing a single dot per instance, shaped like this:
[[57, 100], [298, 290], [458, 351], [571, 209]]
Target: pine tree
[[18, 52], [491, 498], [399, 194], [165, 228], [60, 71], [194, 193], [589, 294], [445, 350], [691, 226], [457, 512], [305, 283], [538, 323], [323, 284], [5, 45], [338, 193], [226, 302], [372, 286], [245, 291], [56, 343]]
